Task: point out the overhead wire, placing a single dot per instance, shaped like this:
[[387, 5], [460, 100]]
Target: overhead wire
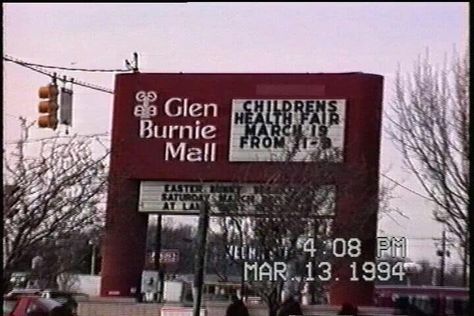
[[11, 115], [14, 142], [9, 58], [33, 66], [58, 77], [407, 188]]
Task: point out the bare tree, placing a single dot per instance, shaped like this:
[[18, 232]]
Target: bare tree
[[62, 257], [297, 203], [430, 129], [275, 237], [51, 194]]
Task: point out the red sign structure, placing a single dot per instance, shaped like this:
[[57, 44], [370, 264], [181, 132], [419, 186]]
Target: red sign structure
[[218, 128]]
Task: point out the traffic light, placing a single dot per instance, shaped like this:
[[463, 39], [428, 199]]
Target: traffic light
[[48, 106]]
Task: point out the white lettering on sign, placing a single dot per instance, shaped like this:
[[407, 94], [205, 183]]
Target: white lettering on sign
[[176, 147], [279, 130], [180, 107], [183, 152], [148, 129]]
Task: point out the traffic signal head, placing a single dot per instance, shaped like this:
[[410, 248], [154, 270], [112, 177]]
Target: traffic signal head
[[48, 106]]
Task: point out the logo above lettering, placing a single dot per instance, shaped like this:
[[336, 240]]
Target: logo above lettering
[[145, 110]]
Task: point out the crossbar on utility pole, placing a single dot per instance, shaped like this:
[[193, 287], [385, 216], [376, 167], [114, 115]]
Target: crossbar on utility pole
[[200, 256]]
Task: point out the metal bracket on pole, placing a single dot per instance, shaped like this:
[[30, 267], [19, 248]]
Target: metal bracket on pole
[[133, 66]]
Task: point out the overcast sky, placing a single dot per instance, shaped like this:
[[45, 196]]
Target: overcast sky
[[227, 37]]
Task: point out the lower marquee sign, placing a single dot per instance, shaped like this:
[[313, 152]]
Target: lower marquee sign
[[169, 256], [266, 130], [186, 197]]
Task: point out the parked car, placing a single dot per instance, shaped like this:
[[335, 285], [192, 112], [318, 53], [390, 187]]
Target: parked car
[[67, 299], [10, 299], [35, 306]]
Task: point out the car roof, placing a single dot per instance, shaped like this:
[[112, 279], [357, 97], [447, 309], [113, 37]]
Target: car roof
[[65, 293], [24, 290], [17, 295], [57, 292]]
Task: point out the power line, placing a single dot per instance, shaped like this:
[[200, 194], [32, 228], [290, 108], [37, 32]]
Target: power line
[[90, 86], [14, 142], [407, 188], [34, 66], [54, 75], [9, 58], [11, 115]]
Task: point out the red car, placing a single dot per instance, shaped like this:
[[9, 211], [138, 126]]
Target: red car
[[36, 306]]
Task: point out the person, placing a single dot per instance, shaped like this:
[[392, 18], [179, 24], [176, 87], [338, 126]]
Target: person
[[237, 307], [348, 309], [291, 306]]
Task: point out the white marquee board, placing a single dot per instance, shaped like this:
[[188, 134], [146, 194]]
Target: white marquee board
[[267, 129], [186, 197]]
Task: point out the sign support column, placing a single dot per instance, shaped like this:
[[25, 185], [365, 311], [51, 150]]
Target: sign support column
[[200, 256]]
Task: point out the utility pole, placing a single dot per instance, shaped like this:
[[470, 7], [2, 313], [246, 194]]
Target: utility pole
[[464, 263], [157, 256], [442, 254], [200, 256], [135, 63], [93, 257]]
